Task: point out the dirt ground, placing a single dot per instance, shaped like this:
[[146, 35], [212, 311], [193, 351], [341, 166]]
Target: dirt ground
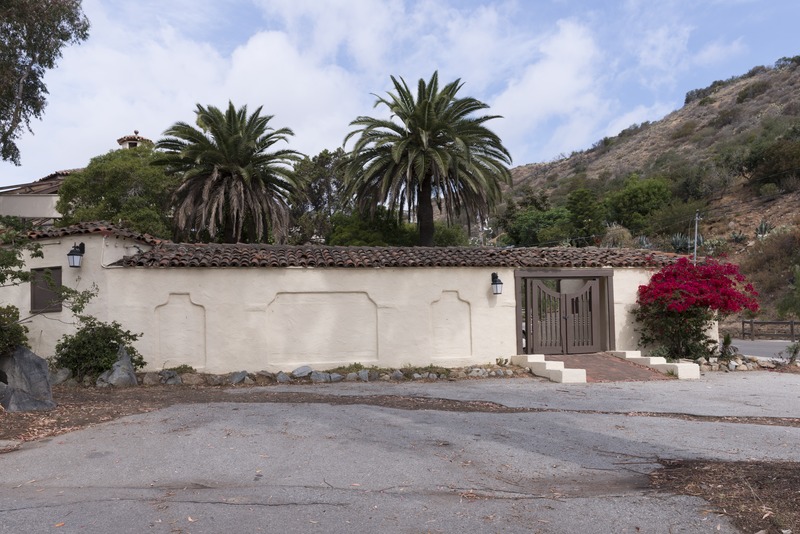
[[759, 497]]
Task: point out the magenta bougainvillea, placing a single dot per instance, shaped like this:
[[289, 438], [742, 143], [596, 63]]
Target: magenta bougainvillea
[[717, 286], [677, 307]]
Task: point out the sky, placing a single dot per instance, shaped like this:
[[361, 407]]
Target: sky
[[561, 73]]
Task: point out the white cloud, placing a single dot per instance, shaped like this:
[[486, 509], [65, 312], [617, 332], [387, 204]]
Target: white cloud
[[559, 85], [316, 101], [718, 52], [562, 73], [637, 115]]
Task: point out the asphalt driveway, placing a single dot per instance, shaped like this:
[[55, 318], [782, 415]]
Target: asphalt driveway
[[578, 464]]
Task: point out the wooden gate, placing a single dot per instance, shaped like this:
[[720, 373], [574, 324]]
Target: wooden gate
[[561, 323]]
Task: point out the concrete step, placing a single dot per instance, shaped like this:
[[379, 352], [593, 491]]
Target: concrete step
[[551, 370], [568, 376], [683, 371], [524, 360]]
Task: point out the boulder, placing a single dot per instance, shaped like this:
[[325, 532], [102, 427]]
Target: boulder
[[264, 377], [320, 376], [59, 376], [121, 374], [301, 372], [151, 379], [170, 377], [193, 379], [237, 377], [215, 380], [27, 382]]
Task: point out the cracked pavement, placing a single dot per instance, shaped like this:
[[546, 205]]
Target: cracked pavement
[[578, 462]]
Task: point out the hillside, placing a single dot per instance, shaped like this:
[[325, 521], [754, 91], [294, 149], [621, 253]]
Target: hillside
[[732, 152]]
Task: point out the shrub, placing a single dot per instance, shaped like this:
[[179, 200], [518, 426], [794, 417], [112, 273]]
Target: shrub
[[684, 130], [715, 246], [677, 307], [725, 117], [752, 90], [93, 348], [769, 190], [449, 236], [770, 261], [12, 334], [617, 237]]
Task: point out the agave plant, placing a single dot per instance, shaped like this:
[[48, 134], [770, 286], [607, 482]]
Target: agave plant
[[680, 243], [763, 229], [738, 237]]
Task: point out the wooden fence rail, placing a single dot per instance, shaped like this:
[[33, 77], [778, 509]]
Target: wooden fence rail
[[775, 333]]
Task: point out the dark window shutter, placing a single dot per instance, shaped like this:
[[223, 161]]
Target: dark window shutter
[[44, 297]]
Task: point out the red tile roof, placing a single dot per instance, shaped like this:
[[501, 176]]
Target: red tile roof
[[101, 227], [244, 255]]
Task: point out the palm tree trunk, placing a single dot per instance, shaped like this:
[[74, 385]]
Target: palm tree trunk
[[425, 213]]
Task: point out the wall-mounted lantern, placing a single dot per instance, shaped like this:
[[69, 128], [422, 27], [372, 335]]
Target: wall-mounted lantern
[[75, 256], [497, 285]]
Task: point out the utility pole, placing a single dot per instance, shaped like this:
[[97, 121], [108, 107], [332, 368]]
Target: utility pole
[[696, 221]]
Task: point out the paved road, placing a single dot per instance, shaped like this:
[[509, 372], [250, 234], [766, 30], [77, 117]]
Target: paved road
[[764, 348], [578, 465]]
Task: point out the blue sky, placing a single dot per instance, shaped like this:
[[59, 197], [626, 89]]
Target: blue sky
[[562, 73]]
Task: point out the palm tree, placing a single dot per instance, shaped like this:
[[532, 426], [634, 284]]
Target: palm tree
[[233, 187], [430, 150]]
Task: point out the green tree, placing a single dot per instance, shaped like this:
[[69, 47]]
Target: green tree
[[632, 205], [32, 34], [233, 188], [532, 227], [14, 245], [380, 228], [587, 217], [431, 150], [320, 196], [123, 187]]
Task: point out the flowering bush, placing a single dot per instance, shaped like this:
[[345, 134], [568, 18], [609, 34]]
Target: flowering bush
[[677, 307]]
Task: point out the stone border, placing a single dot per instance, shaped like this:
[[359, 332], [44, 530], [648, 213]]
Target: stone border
[[306, 375]]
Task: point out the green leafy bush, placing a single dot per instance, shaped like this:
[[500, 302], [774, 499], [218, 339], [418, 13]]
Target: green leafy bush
[[449, 236], [12, 334], [93, 348]]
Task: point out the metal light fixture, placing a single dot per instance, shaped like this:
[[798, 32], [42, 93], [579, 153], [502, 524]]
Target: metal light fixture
[[75, 256], [497, 285]]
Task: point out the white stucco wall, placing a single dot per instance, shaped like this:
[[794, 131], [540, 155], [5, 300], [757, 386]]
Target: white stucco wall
[[220, 320], [44, 330], [230, 319], [626, 284], [30, 205]]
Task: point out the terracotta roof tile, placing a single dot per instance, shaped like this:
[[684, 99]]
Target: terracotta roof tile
[[169, 254], [101, 227]]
